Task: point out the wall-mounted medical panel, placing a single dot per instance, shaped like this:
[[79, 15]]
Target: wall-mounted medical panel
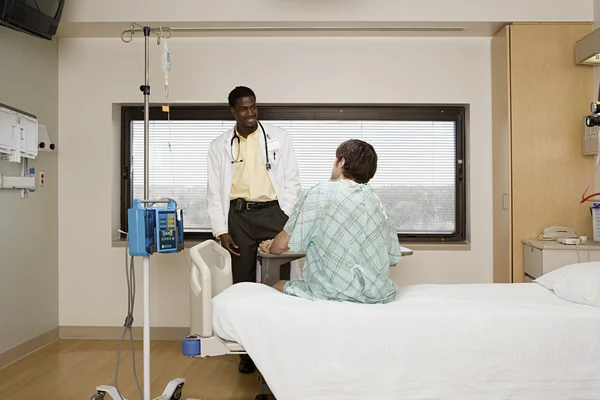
[[29, 136], [18, 134], [8, 126]]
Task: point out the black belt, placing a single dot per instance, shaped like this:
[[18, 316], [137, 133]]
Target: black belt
[[243, 205]]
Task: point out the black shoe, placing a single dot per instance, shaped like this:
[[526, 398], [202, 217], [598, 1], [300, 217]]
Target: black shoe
[[246, 366]]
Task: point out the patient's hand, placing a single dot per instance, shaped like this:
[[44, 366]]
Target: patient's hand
[[265, 246], [280, 285]]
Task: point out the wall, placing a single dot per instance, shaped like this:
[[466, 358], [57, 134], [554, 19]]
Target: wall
[[95, 73], [28, 239], [549, 147], [596, 92], [596, 69], [91, 11]]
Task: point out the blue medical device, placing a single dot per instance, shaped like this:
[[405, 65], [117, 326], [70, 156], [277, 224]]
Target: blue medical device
[[154, 229]]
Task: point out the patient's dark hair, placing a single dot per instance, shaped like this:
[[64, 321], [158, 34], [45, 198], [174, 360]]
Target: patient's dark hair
[[238, 93], [360, 158]]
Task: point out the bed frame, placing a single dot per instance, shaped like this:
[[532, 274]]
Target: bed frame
[[209, 276]]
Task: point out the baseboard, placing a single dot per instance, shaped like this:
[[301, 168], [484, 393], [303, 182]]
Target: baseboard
[[116, 332], [24, 349]]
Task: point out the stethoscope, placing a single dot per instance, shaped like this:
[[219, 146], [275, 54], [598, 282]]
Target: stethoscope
[[235, 160]]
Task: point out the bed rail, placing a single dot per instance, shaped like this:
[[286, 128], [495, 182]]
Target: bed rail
[[210, 275]]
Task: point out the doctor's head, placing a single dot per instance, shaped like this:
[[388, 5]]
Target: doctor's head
[[242, 101], [356, 160]]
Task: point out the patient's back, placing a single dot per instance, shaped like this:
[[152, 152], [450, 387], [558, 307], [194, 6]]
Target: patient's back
[[350, 245]]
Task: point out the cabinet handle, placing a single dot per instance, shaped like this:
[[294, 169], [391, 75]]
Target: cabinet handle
[[505, 201]]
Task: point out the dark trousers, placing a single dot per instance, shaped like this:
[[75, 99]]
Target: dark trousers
[[249, 228]]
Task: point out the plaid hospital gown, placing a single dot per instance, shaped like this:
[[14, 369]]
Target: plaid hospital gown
[[349, 243]]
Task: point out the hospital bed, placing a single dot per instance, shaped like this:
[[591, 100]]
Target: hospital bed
[[460, 341]]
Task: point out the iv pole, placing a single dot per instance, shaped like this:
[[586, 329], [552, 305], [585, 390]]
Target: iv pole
[[174, 387], [145, 88]]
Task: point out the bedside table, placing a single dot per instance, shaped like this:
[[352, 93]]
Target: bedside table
[[543, 256]]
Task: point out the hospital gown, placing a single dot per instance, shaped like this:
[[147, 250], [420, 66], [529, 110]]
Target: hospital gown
[[349, 243]]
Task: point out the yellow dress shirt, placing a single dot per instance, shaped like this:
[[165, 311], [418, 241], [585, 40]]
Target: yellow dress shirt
[[250, 178]]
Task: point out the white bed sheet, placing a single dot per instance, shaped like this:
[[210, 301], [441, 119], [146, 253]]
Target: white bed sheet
[[471, 341]]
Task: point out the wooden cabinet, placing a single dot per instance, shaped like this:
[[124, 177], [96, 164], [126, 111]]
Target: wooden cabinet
[[539, 96], [541, 257]]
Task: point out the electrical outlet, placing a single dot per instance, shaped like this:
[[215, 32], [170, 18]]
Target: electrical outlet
[[42, 178]]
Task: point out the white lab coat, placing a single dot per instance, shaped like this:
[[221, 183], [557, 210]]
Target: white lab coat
[[283, 174]]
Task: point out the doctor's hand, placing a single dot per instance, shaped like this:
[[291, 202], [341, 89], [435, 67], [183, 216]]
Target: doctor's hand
[[227, 243]]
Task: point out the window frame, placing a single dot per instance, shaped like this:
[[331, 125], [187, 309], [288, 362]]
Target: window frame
[[455, 113]]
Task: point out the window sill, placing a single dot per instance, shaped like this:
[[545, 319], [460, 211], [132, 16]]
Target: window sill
[[465, 246], [118, 243]]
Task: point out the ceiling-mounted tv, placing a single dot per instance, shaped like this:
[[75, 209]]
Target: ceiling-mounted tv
[[36, 17]]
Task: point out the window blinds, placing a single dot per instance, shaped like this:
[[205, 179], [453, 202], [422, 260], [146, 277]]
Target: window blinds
[[415, 176]]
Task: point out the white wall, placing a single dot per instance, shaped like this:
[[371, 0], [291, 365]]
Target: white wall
[[595, 92], [95, 73], [596, 69], [92, 11], [28, 238]]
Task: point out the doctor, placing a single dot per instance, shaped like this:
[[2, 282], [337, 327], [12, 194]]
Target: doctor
[[253, 186]]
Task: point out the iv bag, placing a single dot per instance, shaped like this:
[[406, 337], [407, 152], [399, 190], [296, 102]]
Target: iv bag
[[166, 61]]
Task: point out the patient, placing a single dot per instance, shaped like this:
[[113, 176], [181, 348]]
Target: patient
[[342, 226]]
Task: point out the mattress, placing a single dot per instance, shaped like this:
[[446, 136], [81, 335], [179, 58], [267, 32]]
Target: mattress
[[471, 341]]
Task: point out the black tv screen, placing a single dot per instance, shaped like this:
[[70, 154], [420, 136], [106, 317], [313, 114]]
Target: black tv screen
[[36, 17], [48, 7]]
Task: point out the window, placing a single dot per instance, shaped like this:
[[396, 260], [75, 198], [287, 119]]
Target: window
[[420, 175]]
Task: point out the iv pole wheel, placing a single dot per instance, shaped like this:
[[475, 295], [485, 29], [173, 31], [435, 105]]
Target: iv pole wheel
[[98, 396], [177, 393]]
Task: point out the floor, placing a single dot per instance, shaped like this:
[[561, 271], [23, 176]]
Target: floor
[[71, 370]]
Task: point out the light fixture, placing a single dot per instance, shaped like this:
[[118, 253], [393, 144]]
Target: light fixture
[[587, 49], [319, 29]]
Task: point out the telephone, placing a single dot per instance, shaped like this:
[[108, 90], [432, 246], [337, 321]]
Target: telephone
[[557, 232]]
